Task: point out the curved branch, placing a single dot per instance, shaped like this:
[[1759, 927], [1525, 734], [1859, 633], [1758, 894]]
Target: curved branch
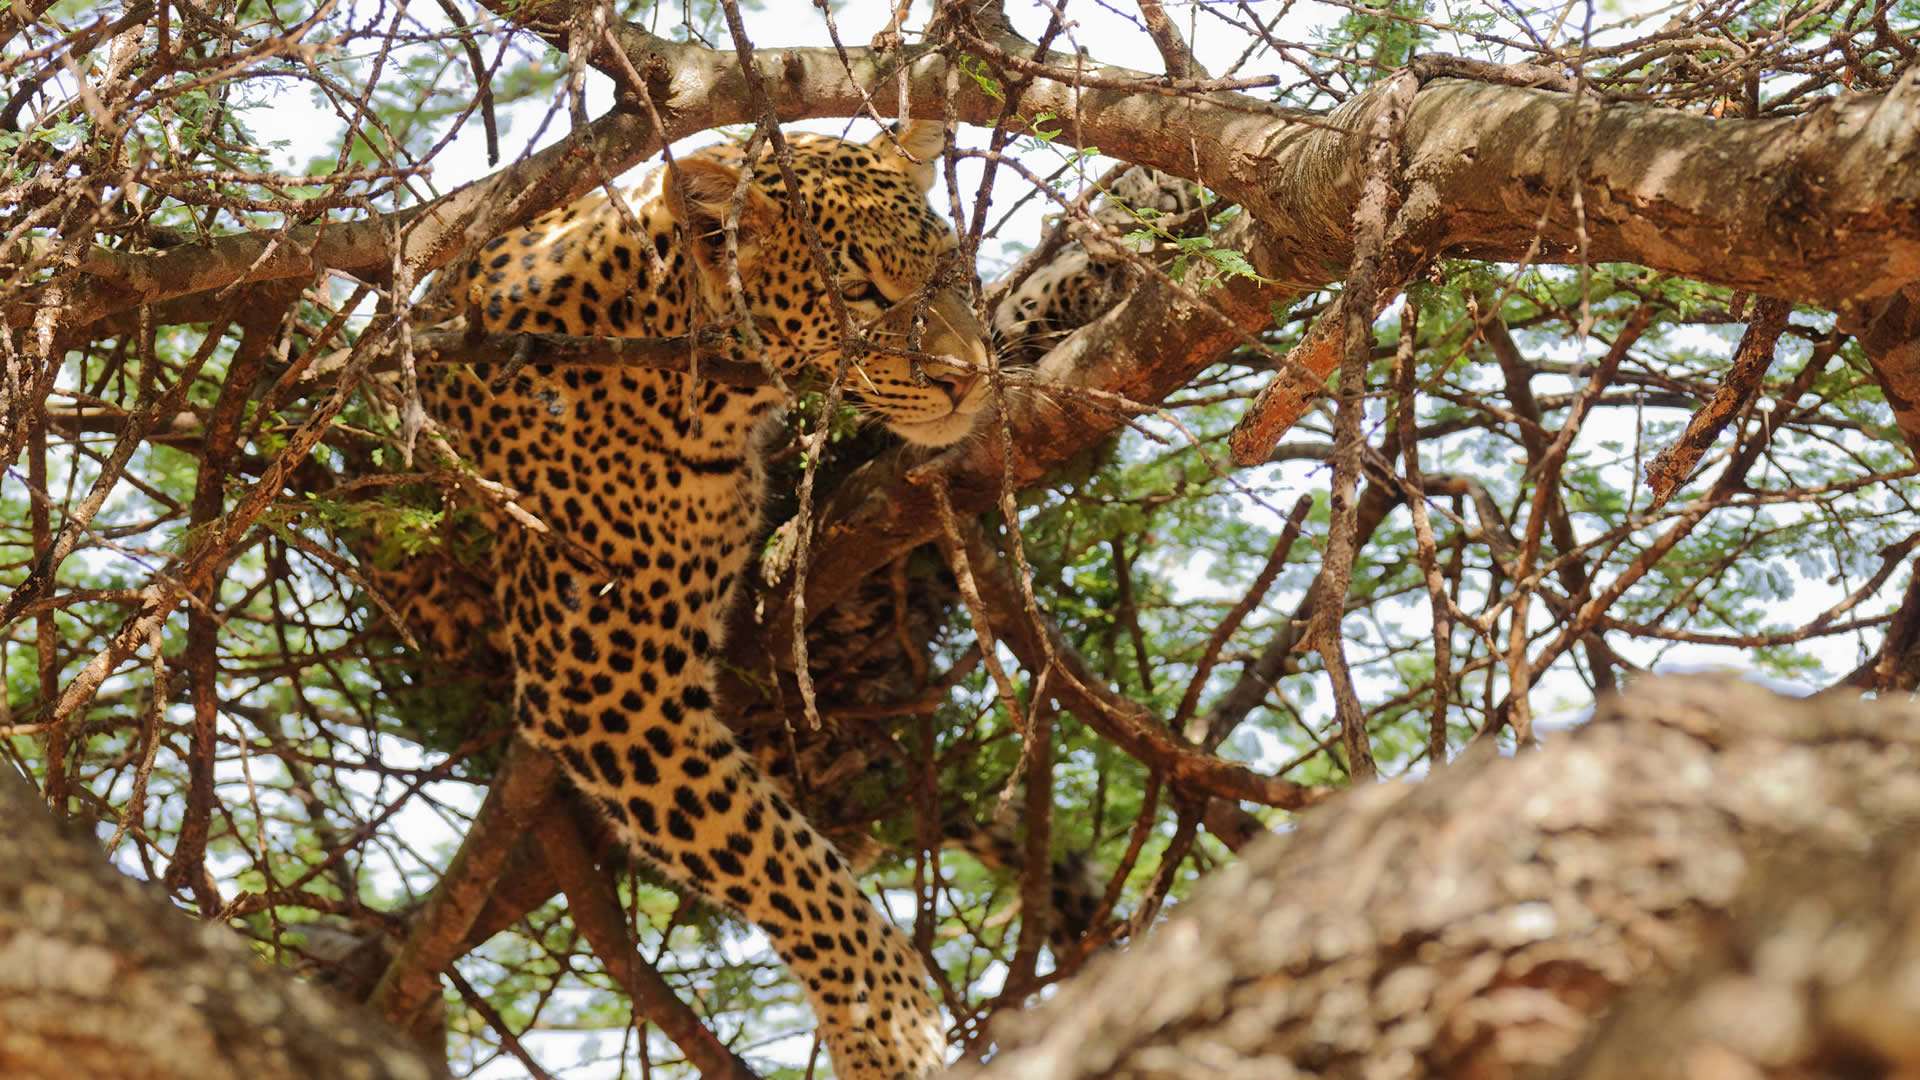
[[1822, 208]]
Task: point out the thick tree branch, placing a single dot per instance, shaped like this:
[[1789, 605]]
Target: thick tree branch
[[1771, 1001], [1891, 338], [525, 783], [1823, 208], [1478, 924], [596, 910], [101, 977], [426, 236]]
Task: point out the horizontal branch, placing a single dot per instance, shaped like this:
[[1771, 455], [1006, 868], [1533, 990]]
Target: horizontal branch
[[425, 237], [1822, 208]]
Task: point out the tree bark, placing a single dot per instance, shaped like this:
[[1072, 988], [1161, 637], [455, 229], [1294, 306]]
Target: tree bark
[[1823, 208], [1477, 924], [1816, 978], [100, 977], [1743, 860]]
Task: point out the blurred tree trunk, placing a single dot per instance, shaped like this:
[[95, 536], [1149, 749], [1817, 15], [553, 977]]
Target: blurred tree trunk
[[101, 978], [1480, 924], [1743, 862]]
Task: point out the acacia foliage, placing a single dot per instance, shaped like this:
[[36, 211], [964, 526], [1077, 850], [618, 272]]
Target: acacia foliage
[[202, 651]]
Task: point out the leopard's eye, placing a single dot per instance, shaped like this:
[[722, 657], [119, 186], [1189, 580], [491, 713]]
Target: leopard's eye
[[864, 292]]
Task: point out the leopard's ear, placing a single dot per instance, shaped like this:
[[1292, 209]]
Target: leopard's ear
[[699, 192], [922, 139]]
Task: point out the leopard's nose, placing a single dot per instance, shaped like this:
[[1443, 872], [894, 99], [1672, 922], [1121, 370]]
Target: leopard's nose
[[957, 384]]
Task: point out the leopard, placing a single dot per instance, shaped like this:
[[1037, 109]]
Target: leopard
[[647, 489], [1098, 262]]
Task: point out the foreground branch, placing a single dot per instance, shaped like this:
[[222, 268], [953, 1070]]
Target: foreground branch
[[1478, 924], [101, 977], [1816, 979]]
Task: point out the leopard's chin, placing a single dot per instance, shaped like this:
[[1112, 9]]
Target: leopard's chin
[[945, 431]]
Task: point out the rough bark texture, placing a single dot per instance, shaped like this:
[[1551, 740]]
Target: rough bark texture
[[1745, 861], [1478, 924], [1823, 208], [101, 978], [1819, 977]]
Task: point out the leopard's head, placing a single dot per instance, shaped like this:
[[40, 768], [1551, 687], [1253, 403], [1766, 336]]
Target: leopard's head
[[893, 258]]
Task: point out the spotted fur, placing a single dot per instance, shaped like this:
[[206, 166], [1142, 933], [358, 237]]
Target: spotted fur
[[652, 489], [1089, 274]]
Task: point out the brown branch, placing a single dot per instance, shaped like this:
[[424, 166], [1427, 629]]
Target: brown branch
[[1896, 667], [1166, 37], [1372, 215], [954, 543], [1711, 213], [1890, 336], [596, 911], [133, 988], [1232, 824], [1129, 612], [1546, 489], [211, 546], [508, 1040], [522, 787], [1037, 912], [1143, 827], [1074, 684], [260, 329], [1281, 655], [1430, 66], [149, 410], [46, 631], [1751, 359], [1437, 607], [527, 882], [1529, 410], [1586, 618], [1350, 961], [150, 722], [427, 235], [1186, 826], [1210, 652], [1300, 380]]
